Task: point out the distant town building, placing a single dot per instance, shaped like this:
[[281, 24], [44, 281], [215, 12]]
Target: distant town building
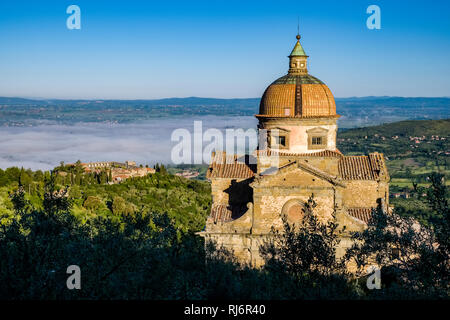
[[405, 195], [188, 174], [119, 171]]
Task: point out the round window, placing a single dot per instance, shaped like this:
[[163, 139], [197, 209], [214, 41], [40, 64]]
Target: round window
[[294, 211]]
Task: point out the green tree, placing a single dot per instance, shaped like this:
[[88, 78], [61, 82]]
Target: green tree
[[414, 258], [305, 254], [119, 206], [92, 203]]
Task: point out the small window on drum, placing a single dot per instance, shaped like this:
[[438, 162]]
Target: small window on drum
[[317, 141], [281, 141], [279, 138], [287, 111], [317, 138]]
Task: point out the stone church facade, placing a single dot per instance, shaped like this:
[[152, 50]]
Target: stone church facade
[[297, 157]]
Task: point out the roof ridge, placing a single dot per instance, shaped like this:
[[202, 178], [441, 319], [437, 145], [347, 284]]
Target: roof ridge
[[322, 174]]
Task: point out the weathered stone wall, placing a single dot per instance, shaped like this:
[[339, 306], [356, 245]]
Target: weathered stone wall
[[243, 224], [218, 187], [364, 193], [269, 204], [244, 246], [231, 191]]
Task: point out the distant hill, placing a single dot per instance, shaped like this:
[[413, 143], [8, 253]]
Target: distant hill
[[415, 128], [189, 101], [395, 100], [354, 111]]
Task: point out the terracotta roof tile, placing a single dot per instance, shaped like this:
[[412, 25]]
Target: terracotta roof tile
[[220, 213], [363, 214], [231, 166], [361, 167], [226, 213], [312, 96]]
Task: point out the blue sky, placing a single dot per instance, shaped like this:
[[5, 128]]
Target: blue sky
[[228, 49]]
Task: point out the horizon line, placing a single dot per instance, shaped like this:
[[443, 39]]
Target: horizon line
[[197, 97]]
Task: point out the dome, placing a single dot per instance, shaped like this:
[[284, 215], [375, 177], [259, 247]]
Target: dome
[[297, 94]]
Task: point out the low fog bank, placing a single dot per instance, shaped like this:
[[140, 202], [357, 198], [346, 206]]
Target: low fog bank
[[147, 142]]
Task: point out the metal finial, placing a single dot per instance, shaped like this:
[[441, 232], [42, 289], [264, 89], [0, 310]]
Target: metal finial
[[298, 28]]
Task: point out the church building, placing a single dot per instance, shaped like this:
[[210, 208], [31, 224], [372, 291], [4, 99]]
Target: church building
[[297, 157]]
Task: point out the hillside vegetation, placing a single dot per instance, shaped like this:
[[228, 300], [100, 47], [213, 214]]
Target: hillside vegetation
[[186, 202], [407, 128]]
